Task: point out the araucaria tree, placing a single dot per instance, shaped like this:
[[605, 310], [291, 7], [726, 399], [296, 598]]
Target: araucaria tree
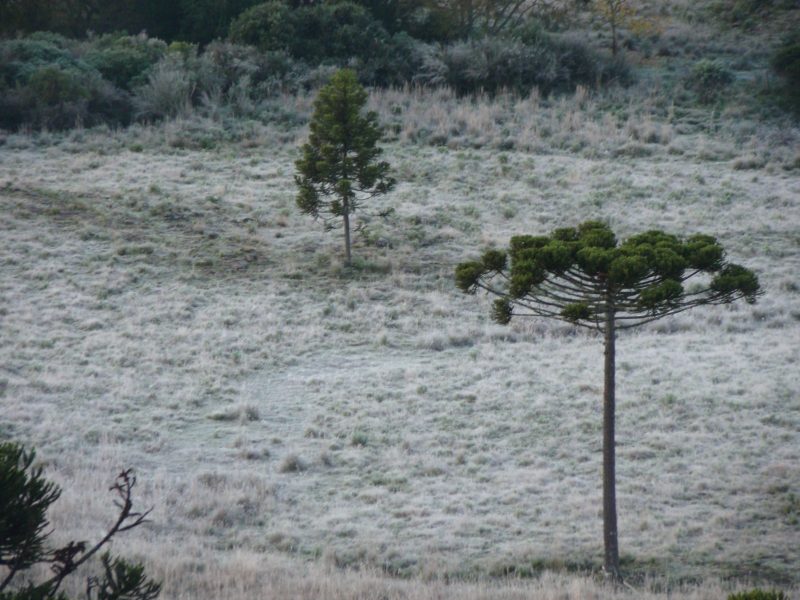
[[339, 169], [585, 277]]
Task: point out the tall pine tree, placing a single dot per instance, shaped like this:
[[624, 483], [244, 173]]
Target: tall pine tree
[[339, 169]]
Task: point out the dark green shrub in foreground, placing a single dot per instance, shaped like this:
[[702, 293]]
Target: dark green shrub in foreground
[[25, 497], [759, 595]]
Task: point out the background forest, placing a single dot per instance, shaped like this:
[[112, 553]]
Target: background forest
[[65, 63]]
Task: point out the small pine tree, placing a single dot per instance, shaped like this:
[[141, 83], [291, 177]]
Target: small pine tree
[[25, 497], [339, 169], [585, 277]]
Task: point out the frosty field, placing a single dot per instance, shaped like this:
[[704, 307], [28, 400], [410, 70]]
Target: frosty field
[[166, 307]]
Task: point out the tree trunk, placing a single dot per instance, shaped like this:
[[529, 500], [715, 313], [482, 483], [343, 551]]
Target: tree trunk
[[347, 233], [610, 538]]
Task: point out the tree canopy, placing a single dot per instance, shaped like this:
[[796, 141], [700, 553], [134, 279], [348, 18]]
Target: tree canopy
[[575, 274]]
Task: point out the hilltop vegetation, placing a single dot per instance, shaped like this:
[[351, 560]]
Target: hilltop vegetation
[[254, 52]]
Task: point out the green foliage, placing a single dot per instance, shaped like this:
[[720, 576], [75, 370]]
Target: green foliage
[[467, 276], [267, 26], [124, 60], [494, 260], [733, 279], [421, 19], [748, 13], [708, 79], [546, 62], [577, 311], [758, 594], [202, 21], [46, 84], [573, 273], [123, 581], [25, 497], [321, 32], [51, 85], [786, 61], [20, 59], [339, 168], [502, 311]]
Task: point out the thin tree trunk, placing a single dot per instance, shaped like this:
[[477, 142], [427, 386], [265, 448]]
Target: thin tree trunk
[[347, 232], [610, 537]]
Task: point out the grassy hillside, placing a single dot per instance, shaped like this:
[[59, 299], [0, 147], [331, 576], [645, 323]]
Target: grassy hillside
[[308, 430], [168, 308]]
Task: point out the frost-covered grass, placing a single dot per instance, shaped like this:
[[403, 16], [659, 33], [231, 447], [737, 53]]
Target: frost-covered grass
[[168, 308]]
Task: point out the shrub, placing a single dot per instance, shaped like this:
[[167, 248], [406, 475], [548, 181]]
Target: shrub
[[707, 79], [268, 26], [59, 99], [205, 20], [315, 33], [123, 59], [400, 60], [168, 91], [786, 62], [759, 595], [45, 85], [20, 59], [546, 62], [51, 86], [747, 13], [225, 66]]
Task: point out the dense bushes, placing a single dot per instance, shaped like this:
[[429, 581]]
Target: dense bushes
[[48, 81], [46, 85], [315, 33], [748, 13], [547, 63], [124, 60], [346, 34], [708, 79], [786, 62]]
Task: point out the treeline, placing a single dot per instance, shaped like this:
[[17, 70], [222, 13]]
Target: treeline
[[89, 62], [201, 21], [51, 80]]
